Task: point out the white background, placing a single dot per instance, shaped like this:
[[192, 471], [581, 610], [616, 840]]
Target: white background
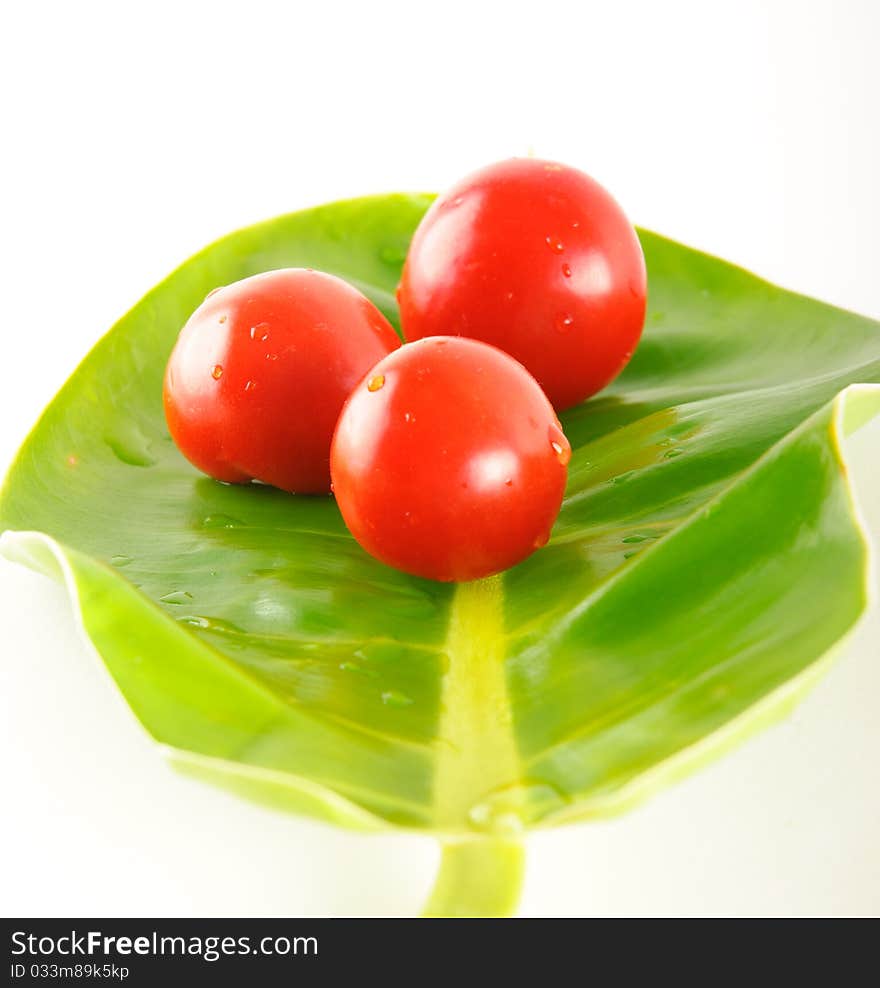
[[133, 135]]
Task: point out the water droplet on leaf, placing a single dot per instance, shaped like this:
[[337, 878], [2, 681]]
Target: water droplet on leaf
[[359, 670], [506, 810], [221, 521], [622, 478], [394, 698], [392, 255], [194, 621], [223, 627], [130, 445]]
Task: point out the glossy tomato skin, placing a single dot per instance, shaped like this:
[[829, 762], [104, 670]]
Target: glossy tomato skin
[[537, 259], [260, 373], [448, 461]]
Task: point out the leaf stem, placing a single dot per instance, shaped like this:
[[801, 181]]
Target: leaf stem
[[478, 877]]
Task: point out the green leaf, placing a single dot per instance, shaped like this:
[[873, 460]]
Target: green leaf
[[706, 560]]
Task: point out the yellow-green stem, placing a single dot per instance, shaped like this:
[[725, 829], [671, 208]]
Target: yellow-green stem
[[478, 877], [481, 868]]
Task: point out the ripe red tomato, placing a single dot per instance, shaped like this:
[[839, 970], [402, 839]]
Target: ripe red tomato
[[448, 461], [260, 373], [537, 259]]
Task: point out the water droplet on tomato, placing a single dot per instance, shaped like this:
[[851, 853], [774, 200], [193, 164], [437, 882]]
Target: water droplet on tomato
[[213, 291], [222, 319], [563, 453], [541, 540], [508, 482], [394, 698], [176, 597], [217, 372], [509, 296], [566, 270], [249, 386], [260, 332], [555, 244], [376, 383], [559, 444], [564, 322], [408, 417]]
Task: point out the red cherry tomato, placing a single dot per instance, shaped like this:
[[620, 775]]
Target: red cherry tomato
[[537, 259], [260, 373], [448, 461]]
